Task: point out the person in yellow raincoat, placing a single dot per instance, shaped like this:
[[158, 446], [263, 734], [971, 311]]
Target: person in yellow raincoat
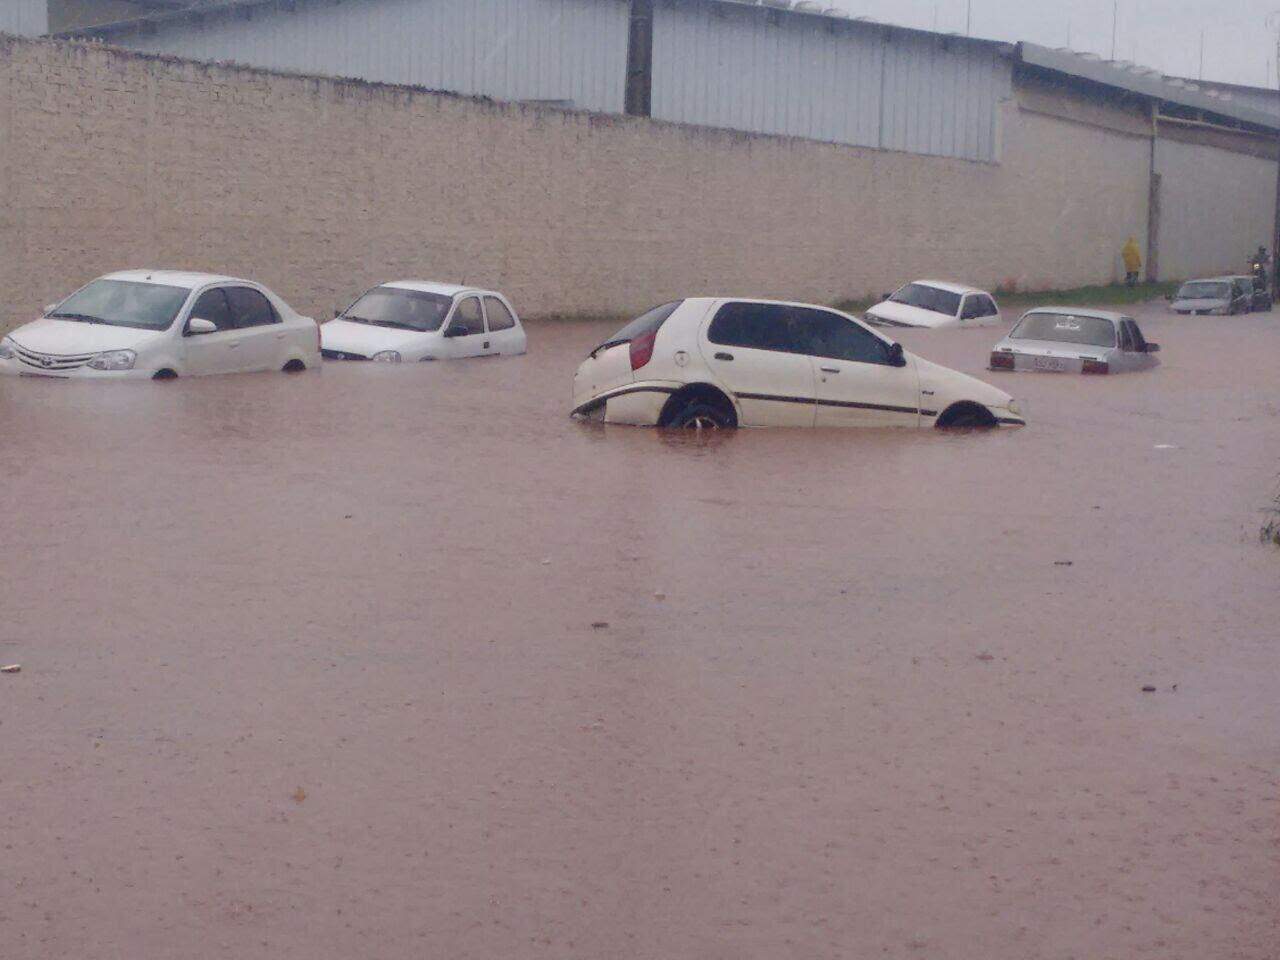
[[1132, 256]]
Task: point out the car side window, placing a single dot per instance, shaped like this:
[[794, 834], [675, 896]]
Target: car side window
[[759, 326], [250, 308], [467, 317], [212, 306], [500, 317], [988, 307], [1126, 339], [1137, 341], [839, 338], [972, 308]]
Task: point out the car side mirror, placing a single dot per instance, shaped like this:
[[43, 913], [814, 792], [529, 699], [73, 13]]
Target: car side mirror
[[896, 357], [1153, 348], [197, 326], [336, 313], [887, 295], [456, 331]]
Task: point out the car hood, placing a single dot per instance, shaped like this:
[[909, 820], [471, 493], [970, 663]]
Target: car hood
[[366, 339], [71, 337], [1053, 348], [944, 381], [1216, 304], [904, 315]]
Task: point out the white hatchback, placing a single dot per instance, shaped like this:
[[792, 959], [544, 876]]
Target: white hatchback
[[155, 323], [935, 304], [412, 320], [710, 363]]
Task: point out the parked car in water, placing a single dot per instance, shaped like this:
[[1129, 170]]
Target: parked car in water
[[159, 323], [1065, 340], [934, 303], [728, 362], [412, 320], [1219, 296]]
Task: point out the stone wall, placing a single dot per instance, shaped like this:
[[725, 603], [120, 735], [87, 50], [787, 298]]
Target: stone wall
[[320, 188]]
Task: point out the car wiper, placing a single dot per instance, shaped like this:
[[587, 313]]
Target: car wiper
[[82, 317], [606, 345]]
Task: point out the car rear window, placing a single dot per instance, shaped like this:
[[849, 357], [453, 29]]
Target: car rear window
[[1204, 290], [648, 322], [1066, 328]]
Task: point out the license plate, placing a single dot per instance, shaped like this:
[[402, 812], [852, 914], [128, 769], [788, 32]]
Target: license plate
[[1049, 363]]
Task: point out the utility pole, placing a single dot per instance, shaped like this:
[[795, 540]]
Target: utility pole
[[1115, 21], [1202, 56], [968, 19]]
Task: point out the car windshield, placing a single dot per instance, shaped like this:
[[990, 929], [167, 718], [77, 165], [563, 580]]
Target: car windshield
[[124, 303], [1066, 328], [1205, 290], [648, 322], [928, 298], [394, 307]]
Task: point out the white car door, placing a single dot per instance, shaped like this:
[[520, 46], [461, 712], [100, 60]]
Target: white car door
[[263, 337], [506, 337], [217, 352], [859, 383], [755, 350], [464, 333]]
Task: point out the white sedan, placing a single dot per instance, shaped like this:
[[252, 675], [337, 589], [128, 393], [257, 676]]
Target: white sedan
[[412, 320], [713, 363], [934, 304], [158, 324]]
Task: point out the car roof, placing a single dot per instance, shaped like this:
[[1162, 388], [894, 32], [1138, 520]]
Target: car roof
[[1076, 312], [430, 286], [950, 287], [173, 278]]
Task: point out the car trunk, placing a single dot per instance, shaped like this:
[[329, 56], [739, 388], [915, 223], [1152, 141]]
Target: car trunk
[[1049, 357], [608, 369]]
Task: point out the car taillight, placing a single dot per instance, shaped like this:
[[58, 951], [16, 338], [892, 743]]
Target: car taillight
[[642, 349], [1094, 366], [1001, 361]]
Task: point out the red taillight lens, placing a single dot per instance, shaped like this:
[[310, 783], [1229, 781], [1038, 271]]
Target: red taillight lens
[[1094, 366], [1001, 361], [642, 349]]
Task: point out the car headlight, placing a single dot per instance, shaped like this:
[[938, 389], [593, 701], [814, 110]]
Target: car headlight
[[1015, 408], [387, 356], [6, 349], [113, 360]]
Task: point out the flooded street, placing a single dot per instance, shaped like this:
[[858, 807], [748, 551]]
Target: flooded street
[[401, 662]]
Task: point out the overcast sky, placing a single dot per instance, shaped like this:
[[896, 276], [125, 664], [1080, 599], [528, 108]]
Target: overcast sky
[[1165, 34]]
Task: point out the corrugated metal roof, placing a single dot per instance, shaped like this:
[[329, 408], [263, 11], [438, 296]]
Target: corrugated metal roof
[[24, 17]]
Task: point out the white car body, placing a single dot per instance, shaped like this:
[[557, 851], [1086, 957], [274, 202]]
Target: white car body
[[973, 308], [1071, 340], [65, 348], [695, 359], [499, 333]]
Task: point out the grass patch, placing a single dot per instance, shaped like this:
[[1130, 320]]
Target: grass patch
[[1012, 301]]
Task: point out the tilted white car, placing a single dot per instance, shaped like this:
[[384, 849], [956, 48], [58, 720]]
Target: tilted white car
[[934, 304], [711, 363], [413, 320], [157, 323]]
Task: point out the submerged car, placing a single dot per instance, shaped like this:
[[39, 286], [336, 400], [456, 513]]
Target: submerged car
[[1259, 295], [1220, 297], [156, 323], [934, 304], [715, 363], [412, 320], [1064, 340]]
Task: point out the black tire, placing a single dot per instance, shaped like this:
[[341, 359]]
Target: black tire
[[969, 418], [294, 366], [700, 415]]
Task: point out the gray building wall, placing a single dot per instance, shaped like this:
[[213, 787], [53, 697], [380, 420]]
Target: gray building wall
[[566, 50], [751, 68], [24, 17], [1216, 207]]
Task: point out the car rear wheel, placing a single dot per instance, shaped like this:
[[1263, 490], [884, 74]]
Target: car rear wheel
[[700, 415]]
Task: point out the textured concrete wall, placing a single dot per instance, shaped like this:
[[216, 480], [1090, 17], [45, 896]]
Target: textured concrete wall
[[1216, 207], [320, 188]]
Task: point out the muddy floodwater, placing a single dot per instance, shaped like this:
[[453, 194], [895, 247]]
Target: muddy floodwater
[[400, 662]]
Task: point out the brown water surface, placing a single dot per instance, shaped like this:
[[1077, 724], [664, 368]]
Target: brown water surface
[[309, 670]]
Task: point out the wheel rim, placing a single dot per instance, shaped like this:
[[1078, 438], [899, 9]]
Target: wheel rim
[[701, 422]]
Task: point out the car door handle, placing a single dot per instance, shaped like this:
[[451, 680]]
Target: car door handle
[[486, 344], [829, 369], [724, 356]]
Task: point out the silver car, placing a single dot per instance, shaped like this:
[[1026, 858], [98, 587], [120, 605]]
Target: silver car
[[1066, 340], [1218, 297]]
